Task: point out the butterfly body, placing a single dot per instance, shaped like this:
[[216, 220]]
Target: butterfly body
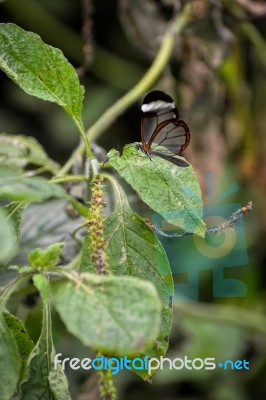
[[162, 128]]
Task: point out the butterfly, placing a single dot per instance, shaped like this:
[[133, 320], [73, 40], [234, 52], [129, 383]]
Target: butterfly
[[163, 134]]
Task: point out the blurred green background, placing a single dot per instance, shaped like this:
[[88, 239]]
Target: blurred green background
[[217, 76]]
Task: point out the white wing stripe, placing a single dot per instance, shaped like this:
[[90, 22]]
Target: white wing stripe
[[157, 105]]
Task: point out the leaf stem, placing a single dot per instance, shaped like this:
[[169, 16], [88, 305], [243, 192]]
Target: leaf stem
[[16, 208], [113, 182], [85, 138], [9, 288], [74, 264], [69, 178]]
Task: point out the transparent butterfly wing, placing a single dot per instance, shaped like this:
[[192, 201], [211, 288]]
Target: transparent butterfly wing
[[174, 136], [171, 133], [162, 132], [151, 121]]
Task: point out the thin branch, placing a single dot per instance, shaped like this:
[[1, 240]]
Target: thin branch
[[235, 217], [230, 223]]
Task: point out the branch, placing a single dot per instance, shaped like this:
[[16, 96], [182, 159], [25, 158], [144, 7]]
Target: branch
[[235, 217], [230, 223]]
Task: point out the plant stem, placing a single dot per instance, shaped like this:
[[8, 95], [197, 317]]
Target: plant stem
[[256, 39], [66, 167], [148, 79], [74, 264], [114, 183], [69, 178], [85, 138], [161, 60], [9, 288], [230, 223]]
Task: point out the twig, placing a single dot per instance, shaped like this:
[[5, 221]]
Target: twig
[[230, 223], [235, 217]]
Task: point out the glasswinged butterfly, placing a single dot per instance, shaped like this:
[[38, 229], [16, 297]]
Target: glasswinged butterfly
[[163, 134]]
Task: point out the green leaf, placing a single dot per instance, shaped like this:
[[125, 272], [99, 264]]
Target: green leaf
[[133, 249], [14, 213], [168, 189], [18, 151], [43, 286], [8, 287], [58, 384], [115, 315], [22, 339], [40, 70], [8, 239], [46, 259], [45, 224], [10, 363], [41, 380], [85, 262], [13, 186]]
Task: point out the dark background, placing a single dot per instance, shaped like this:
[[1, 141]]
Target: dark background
[[217, 77]]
